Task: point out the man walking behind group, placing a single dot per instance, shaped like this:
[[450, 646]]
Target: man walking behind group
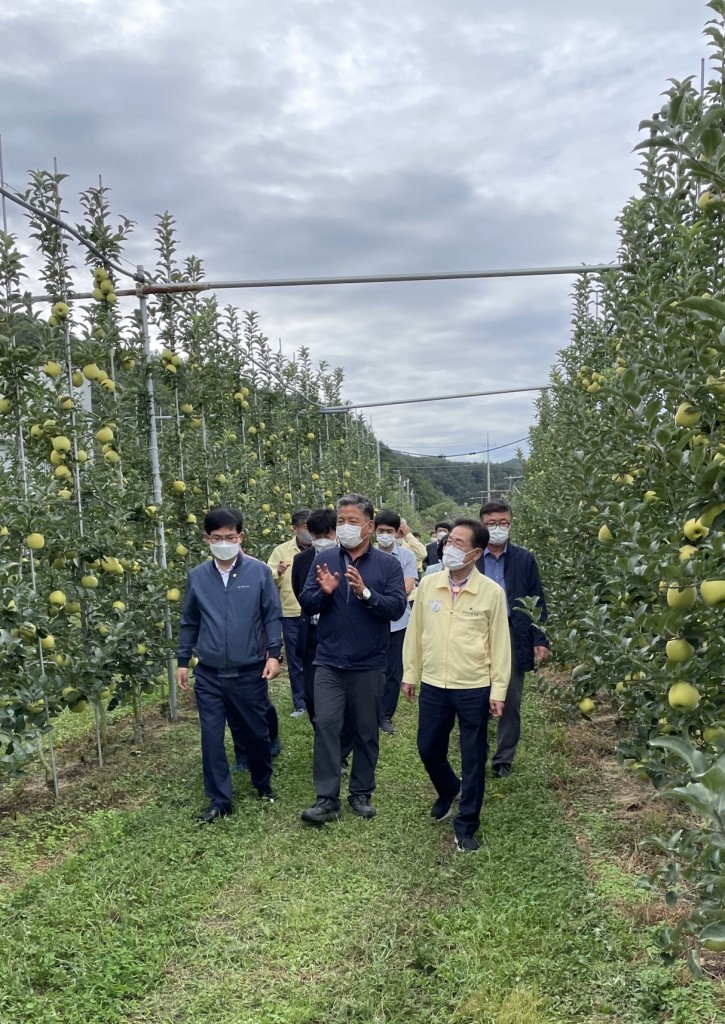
[[387, 524], [357, 591], [457, 648], [231, 617], [515, 569], [280, 562]]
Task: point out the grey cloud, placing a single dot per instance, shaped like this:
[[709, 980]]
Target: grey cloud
[[294, 140]]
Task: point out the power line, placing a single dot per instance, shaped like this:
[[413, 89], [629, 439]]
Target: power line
[[460, 455]]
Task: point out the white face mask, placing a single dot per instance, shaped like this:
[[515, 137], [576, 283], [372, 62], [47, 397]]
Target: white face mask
[[441, 535], [386, 540], [224, 550], [304, 537], [349, 536], [454, 558], [324, 544], [498, 534]]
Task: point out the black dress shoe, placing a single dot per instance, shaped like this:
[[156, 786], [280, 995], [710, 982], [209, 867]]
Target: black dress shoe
[[501, 771], [211, 814]]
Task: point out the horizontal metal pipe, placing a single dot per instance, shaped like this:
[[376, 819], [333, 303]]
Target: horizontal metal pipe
[[312, 282], [432, 398]]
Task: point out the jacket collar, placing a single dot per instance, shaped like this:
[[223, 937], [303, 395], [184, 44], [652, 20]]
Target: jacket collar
[[471, 586]]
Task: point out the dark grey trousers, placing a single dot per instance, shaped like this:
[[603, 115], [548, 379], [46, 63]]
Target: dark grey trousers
[[361, 692], [509, 724]]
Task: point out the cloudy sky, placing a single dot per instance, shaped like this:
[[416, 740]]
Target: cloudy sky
[[308, 137]]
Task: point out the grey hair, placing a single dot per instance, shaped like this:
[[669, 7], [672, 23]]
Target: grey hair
[[359, 501]]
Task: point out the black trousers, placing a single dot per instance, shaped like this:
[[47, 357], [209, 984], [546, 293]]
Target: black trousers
[[308, 668], [219, 698], [438, 709], [335, 691], [508, 730], [393, 675], [235, 728]]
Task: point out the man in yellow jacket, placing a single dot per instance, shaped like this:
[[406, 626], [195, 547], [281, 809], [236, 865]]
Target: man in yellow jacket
[[458, 647], [280, 562]]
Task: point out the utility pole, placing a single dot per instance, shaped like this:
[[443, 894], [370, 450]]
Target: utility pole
[[488, 470]]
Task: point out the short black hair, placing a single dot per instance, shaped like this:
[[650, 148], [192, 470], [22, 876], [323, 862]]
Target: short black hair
[[386, 517], [221, 516], [359, 501], [494, 506], [300, 517], [479, 533], [442, 525], [322, 521]]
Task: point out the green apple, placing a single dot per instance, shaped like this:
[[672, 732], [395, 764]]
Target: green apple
[[679, 649], [587, 706], [683, 696], [681, 597]]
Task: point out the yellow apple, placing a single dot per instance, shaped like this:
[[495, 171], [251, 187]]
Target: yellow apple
[[687, 415], [713, 592], [587, 706], [57, 598], [680, 597], [179, 486], [89, 582], [605, 535], [104, 435], [35, 541], [173, 594], [694, 529], [52, 368]]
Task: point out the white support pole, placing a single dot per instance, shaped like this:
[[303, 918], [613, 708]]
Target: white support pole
[[157, 492]]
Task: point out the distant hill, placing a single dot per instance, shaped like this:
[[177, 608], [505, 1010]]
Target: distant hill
[[437, 480]]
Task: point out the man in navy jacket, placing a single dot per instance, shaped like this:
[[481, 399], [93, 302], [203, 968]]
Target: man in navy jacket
[[232, 618], [515, 569], [357, 591]]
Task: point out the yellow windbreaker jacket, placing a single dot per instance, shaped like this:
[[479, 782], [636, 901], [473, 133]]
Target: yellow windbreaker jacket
[[461, 645]]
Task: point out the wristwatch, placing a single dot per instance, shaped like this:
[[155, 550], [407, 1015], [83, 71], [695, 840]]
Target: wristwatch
[[366, 594]]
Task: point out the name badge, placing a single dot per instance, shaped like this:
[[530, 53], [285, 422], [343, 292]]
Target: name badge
[[435, 606]]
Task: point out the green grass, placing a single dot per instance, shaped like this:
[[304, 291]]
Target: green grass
[[114, 906]]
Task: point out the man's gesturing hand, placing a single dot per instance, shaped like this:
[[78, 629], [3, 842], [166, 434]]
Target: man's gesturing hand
[[355, 580], [328, 581], [182, 678]]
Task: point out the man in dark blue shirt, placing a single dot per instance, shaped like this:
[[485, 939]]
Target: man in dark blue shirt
[[357, 591], [515, 569], [232, 618]]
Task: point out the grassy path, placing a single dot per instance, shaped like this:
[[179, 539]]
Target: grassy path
[[115, 907]]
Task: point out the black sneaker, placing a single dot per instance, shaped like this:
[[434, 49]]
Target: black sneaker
[[321, 811], [443, 806], [466, 844], [387, 726], [360, 805], [502, 771], [266, 795]]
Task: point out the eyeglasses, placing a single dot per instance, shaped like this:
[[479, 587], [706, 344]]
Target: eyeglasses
[[215, 539], [505, 524], [458, 544]]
